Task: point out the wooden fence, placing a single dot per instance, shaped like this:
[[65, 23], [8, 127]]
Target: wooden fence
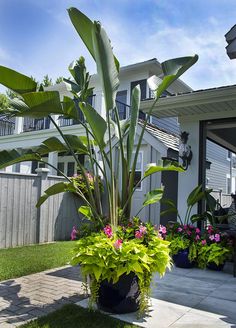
[[21, 223]]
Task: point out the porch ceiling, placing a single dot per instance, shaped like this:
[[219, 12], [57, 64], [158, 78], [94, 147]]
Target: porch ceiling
[[216, 103]]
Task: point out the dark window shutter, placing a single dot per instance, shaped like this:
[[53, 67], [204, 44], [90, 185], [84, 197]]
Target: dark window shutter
[[143, 87]]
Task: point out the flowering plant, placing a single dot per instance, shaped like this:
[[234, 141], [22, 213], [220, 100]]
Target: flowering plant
[[214, 247], [81, 185], [109, 254], [182, 237]]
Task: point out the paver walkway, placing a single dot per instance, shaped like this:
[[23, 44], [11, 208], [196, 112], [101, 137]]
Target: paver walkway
[[31, 296], [183, 298]]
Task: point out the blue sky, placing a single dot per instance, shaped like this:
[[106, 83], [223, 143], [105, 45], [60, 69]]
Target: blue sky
[[37, 38]]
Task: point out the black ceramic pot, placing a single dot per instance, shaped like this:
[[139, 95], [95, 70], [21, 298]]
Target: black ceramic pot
[[181, 259], [121, 297], [215, 267]]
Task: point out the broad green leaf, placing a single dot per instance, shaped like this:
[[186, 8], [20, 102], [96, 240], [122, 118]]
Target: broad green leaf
[[42, 103], [84, 27], [172, 70], [135, 104], [96, 122], [153, 196], [195, 195], [76, 143], [71, 86], [124, 125], [163, 165], [106, 67], [55, 144], [97, 272], [16, 81], [10, 157], [54, 190], [86, 211]]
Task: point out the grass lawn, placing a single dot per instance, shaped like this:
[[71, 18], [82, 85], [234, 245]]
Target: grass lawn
[[20, 261], [73, 316]]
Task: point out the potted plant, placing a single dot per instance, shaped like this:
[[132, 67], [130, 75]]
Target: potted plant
[[183, 243], [116, 252], [183, 235], [214, 249]]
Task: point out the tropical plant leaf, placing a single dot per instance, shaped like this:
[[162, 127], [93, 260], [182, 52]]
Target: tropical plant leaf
[[96, 122], [195, 195], [84, 27], [71, 86], [163, 165], [86, 211], [16, 81], [42, 103], [153, 196], [135, 104], [106, 67], [172, 70], [57, 188], [10, 157]]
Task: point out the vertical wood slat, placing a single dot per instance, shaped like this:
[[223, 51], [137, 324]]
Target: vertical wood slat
[[19, 216]]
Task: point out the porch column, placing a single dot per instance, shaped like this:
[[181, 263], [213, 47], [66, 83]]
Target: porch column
[[100, 103], [189, 179], [53, 159], [18, 125]]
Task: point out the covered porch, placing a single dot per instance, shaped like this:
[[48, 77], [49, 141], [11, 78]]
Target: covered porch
[[204, 114]]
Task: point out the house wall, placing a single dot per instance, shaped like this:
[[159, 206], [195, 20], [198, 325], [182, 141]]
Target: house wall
[[21, 223], [216, 177]]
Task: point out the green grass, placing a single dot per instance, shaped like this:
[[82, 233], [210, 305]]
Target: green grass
[[73, 316], [20, 261]]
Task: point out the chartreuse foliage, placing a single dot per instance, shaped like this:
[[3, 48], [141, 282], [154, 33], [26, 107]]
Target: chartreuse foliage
[[213, 253], [100, 260]]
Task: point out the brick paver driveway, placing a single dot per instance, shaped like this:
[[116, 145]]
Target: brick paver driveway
[[34, 295]]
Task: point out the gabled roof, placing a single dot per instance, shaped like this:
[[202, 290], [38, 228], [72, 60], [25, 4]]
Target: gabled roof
[[169, 140]]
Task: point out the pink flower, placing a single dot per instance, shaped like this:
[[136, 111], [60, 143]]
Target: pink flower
[[217, 237], [142, 229], [108, 231], [118, 243], [179, 229], [162, 229], [204, 242], [138, 234], [185, 227], [189, 233], [198, 230], [209, 229], [212, 237], [197, 237], [73, 233]]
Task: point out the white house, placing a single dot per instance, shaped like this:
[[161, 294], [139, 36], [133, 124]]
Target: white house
[[160, 139]]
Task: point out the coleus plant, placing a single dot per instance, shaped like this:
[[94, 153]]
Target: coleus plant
[[96, 143]]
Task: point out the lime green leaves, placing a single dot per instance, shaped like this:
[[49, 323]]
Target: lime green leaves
[[153, 196]]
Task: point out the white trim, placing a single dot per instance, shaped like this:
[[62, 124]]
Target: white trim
[[141, 170]]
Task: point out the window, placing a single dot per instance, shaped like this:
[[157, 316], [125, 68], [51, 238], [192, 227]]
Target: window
[[138, 171], [228, 155], [121, 103], [61, 167], [143, 87], [70, 169]]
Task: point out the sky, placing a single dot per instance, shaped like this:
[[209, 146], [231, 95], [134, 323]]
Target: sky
[[37, 37]]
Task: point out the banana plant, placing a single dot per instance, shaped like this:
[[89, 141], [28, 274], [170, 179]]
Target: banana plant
[[96, 142]]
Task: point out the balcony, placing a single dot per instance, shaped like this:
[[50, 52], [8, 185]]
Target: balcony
[[7, 126], [35, 124]]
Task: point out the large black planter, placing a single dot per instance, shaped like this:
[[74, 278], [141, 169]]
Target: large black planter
[[121, 297], [215, 267], [181, 259]]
